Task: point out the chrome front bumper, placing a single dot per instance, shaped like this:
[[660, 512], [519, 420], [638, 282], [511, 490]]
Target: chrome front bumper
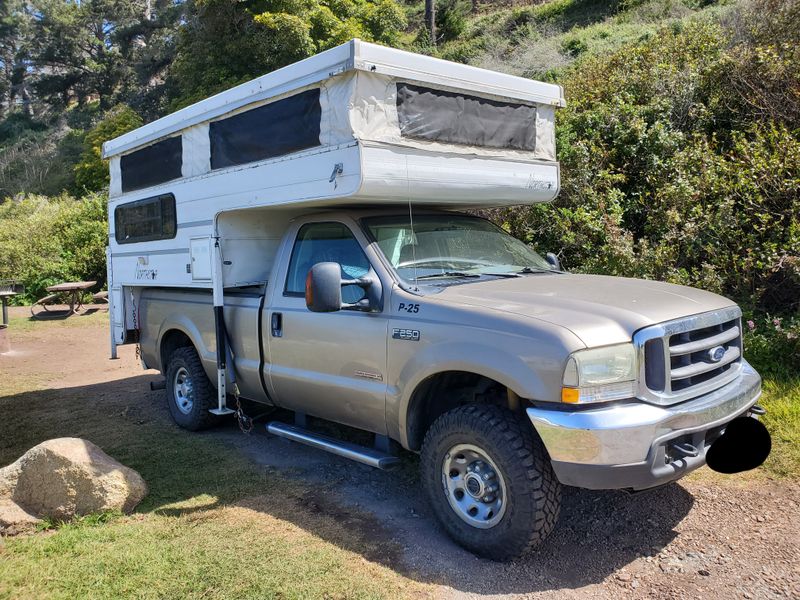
[[625, 445]]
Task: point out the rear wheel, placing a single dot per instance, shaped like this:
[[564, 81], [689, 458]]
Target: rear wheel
[[189, 392], [489, 481]]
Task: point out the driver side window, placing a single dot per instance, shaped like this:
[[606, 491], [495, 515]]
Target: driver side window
[[326, 242]]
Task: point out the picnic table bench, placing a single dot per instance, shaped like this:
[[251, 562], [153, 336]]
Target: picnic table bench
[[70, 291]]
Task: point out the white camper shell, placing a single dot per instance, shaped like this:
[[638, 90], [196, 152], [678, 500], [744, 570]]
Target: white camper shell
[[358, 124]]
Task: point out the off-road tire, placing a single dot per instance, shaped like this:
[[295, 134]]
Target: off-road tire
[[533, 497], [204, 394]]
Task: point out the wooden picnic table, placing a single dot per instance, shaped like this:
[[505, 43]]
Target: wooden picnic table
[[72, 290]]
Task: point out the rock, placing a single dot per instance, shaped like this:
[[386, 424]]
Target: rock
[[63, 478]]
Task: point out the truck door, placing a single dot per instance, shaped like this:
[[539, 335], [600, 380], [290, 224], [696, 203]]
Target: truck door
[[331, 365]]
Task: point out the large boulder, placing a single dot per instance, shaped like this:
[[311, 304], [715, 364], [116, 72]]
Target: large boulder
[[63, 478]]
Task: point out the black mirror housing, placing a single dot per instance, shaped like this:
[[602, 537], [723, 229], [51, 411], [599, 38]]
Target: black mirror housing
[[553, 261], [324, 287]]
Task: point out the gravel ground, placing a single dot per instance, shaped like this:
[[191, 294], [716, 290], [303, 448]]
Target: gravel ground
[[706, 537]]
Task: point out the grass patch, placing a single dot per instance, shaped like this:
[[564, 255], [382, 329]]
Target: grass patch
[[227, 553], [27, 323], [782, 400]]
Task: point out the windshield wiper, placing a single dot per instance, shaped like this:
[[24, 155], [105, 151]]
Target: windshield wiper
[[510, 274], [447, 274], [528, 270]]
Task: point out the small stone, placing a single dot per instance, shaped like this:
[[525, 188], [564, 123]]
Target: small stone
[[748, 595], [704, 572], [624, 576]]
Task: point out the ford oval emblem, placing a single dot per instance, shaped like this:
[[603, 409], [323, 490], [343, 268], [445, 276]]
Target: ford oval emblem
[[716, 354]]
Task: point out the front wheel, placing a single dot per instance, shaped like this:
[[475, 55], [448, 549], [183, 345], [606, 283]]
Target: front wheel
[[489, 481]]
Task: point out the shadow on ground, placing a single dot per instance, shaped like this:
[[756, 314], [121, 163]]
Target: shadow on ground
[[380, 515]]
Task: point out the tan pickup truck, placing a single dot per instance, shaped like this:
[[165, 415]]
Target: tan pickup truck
[[446, 336]]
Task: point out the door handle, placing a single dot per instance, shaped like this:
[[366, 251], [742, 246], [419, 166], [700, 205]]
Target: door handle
[[277, 324]]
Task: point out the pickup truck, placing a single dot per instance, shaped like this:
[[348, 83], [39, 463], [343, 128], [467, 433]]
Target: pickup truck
[[440, 333]]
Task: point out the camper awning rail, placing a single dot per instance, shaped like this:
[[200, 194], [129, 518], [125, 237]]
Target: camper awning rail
[[353, 55]]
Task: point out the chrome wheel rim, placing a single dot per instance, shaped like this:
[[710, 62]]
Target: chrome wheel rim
[[474, 486], [183, 390]]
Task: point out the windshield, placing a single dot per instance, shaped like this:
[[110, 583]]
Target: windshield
[[451, 246]]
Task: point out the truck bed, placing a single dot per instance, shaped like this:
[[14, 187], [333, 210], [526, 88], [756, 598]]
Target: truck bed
[[189, 311]]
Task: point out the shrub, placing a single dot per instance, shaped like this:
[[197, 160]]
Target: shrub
[[772, 345], [50, 240], [669, 174]]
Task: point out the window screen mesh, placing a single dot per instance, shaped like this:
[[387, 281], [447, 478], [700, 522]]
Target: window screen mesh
[[146, 220], [278, 128], [152, 165], [454, 118]]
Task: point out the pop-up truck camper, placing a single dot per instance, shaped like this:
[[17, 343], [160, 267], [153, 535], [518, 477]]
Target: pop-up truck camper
[[300, 241]]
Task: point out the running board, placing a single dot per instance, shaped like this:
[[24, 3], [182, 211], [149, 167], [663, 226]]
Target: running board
[[362, 454]]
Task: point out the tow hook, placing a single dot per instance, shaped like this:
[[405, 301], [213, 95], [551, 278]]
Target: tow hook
[[757, 410], [684, 449]]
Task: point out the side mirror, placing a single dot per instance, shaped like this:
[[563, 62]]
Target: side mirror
[[324, 287], [553, 261], [324, 290]]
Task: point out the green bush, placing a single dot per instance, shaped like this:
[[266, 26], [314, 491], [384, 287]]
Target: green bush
[[51, 240], [672, 171], [772, 345]]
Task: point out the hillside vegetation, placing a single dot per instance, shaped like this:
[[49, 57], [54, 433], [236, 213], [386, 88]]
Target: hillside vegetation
[[680, 143]]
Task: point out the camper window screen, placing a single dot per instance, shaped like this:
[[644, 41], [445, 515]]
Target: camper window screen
[[152, 165], [146, 220], [278, 128], [453, 118]]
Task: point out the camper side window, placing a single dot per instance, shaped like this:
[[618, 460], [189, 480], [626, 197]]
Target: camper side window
[[146, 220], [326, 242]]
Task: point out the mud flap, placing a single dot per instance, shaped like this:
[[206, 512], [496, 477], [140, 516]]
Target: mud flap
[[745, 445]]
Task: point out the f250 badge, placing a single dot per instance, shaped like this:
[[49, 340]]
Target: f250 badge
[[405, 334]]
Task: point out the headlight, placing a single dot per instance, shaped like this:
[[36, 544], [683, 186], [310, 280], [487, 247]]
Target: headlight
[[600, 375]]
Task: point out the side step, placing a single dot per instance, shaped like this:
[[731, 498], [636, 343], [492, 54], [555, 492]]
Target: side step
[[362, 454]]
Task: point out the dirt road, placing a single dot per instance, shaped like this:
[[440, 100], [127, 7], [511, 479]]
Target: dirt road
[[707, 537]]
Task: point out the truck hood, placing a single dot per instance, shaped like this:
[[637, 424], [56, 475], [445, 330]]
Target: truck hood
[[600, 310]]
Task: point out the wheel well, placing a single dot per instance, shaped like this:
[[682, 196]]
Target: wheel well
[[444, 391], [172, 340]]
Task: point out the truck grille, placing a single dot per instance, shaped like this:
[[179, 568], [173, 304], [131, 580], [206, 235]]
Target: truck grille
[[686, 358]]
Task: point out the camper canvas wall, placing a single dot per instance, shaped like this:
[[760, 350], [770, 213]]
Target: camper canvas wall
[[358, 124]]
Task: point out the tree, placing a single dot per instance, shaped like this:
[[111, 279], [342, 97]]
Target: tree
[[91, 172], [430, 19], [226, 42], [101, 49], [14, 45]]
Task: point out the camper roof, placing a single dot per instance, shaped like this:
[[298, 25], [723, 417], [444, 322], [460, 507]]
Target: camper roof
[[352, 55]]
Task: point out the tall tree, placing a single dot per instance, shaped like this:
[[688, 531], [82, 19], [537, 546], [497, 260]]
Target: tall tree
[[101, 49], [430, 20], [15, 19], [225, 42]]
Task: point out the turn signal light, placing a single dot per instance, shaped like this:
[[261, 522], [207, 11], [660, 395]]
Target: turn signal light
[[570, 395]]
